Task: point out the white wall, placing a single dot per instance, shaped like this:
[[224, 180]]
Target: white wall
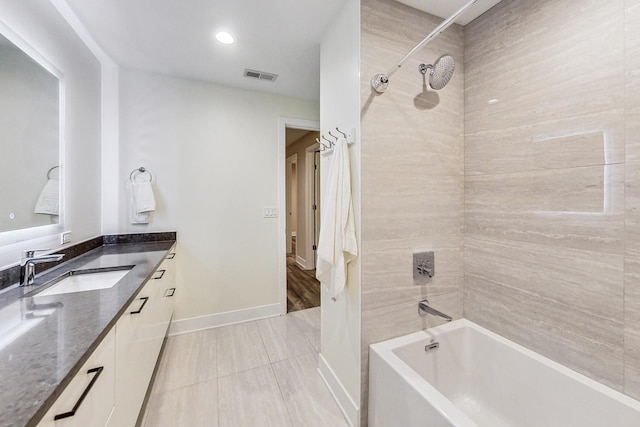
[[340, 106], [213, 152], [41, 26]]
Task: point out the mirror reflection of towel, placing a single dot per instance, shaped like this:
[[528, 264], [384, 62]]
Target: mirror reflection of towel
[[49, 201]]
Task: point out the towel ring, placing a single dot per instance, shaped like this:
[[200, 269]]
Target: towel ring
[[140, 170], [51, 170]]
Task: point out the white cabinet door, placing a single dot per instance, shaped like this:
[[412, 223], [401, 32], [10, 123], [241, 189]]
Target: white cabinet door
[[139, 335], [135, 357], [88, 400]]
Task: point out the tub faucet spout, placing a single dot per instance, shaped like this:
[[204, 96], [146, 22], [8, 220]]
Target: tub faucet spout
[[424, 308]]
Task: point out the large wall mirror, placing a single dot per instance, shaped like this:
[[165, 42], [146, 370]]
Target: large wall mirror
[[30, 141]]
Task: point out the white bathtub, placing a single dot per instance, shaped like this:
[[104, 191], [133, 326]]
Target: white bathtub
[[477, 378]]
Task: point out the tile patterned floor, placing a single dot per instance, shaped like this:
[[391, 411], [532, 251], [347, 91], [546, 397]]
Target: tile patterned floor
[[260, 373]]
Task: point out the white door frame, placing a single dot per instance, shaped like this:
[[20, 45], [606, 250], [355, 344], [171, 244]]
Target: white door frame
[[309, 198], [291, 160], [283, 124]]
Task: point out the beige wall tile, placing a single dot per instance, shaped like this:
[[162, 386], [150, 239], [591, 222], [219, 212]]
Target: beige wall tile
[[536, 59], [551, 241], [579, 290], [632, 206], [521, 317], [428, 206], [594, 232], [545, 233], [577, 141], [632, 79], [584, 190], [391, 264], [412, 174], [632, 282]]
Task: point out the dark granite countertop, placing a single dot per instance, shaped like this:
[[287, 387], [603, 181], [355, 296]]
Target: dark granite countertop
[[45, 340]]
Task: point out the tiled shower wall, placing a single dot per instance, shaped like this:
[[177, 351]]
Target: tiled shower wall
[[412, 176], [552, 181]]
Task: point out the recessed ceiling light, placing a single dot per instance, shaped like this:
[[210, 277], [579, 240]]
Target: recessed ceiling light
[[224, 37]]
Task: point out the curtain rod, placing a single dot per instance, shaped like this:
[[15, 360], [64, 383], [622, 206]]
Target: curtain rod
[[380, 82]]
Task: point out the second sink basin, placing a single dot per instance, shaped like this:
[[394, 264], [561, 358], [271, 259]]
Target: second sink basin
[[85, 280]]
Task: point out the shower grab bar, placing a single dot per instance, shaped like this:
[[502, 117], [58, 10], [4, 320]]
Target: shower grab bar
[[380, 82]]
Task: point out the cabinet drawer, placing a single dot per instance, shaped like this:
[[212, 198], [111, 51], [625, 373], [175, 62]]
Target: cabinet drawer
[[89, 398]]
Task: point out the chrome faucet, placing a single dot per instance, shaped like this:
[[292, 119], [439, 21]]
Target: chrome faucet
[[28, 264], [424, 308]]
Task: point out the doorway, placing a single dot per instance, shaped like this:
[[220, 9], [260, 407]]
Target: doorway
[[302, 191]]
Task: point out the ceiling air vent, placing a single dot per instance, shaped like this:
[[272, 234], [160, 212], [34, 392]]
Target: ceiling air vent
[[260, 75]]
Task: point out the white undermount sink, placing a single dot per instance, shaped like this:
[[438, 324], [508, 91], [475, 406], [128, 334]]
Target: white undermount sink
[[86, 280]]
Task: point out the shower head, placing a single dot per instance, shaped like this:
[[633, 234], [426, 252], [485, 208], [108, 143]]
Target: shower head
[[440, 72]]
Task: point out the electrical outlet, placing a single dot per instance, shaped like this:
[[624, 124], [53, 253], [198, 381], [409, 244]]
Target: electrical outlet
[[65, 237], [423, 265], [270, 212]]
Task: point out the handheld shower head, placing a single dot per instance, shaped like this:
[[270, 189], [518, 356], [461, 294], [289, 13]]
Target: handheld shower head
[[440, 72]]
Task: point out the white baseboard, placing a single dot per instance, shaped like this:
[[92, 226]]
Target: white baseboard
[[348, 407], [192, 324], [303, 263]]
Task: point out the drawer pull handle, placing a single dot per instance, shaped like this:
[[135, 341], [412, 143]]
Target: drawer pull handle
[[172, 290], [172, 255], [144, 302], [84, 394], [161, 274]]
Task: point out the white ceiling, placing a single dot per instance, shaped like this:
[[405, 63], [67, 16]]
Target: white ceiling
[[176, 37]]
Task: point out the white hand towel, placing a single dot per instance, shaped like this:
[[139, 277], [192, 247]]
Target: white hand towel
[[134, 216], [49, 201], [337, 244], [143, 197]]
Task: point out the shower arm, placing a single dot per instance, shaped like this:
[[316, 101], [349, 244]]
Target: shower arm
[[379, 82]]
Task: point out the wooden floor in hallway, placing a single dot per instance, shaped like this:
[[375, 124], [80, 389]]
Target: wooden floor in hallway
[[303, 289]]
